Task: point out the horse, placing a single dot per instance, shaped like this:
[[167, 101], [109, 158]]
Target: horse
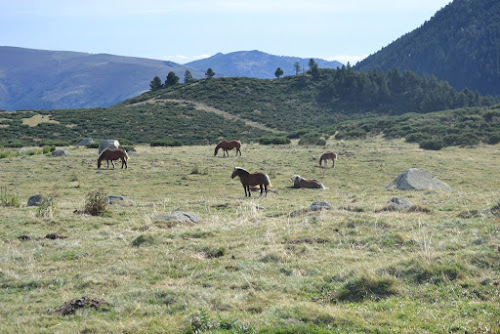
[[227, 145], [328, 155], [248, 180], [300, 182], [111, 154]]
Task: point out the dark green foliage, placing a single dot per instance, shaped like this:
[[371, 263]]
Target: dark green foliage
[[188, 77], [209, 73], [7, 199], [274, 140], [460, 44], [155, 84], [432, 144], [166, 142], [171, 80], [367, 287], [278, 73], [312, 139]]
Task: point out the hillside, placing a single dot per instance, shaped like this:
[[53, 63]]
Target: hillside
[[207, 110], [255, 64], [37, 79], [460, 44]]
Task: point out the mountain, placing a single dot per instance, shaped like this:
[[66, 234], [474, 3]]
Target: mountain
[[38, 79], [459, 44], [255, 64]]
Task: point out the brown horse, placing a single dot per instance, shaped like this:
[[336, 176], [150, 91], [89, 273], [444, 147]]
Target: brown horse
[[111, 154], [227, 145], [248, 180], [328, 155], [300, 182]]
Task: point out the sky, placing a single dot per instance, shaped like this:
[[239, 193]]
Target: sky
[[185, 30]]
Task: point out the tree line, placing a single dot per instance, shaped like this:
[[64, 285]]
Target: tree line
[[172, 79]]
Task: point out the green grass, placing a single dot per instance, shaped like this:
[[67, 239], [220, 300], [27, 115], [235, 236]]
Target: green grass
[[254, 264]]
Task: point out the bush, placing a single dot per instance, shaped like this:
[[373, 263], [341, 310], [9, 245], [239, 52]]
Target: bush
[[312, 139], [274, 140], [166, 143], [96, 203], [7, 199], [432, 144], [46, 208], [367, 287], [143, 239], [493, 139]]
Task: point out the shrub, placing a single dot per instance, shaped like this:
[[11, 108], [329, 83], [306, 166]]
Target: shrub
[[96, 203], [142, 239], [367, 287], [7, 199], [493, 139], [274, 140], [48, 149], [432, 144], [312, 139], [46, 208], [168, 142]]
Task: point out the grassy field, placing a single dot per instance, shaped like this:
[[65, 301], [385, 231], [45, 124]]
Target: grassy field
[[253, 265]]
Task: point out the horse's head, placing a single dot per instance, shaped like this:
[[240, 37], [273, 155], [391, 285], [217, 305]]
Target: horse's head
[[235, 172], [98, 163], [295, 177], [238, 171]]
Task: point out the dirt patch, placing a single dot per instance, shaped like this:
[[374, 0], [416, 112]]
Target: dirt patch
[[54, 236], [37, 119], [24, 237], [73, 305]]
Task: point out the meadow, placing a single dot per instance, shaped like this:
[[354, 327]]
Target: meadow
[[259, 264]]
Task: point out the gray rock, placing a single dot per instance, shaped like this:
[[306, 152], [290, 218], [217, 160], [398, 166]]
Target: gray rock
[[178, 216], [113, 198], [35, 200], [85, 142], [400, 203], [320, 205], [58, 153], [416, 179], [108, 143]]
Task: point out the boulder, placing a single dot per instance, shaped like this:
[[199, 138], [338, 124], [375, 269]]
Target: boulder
[[108, 143], [114, 198], [416, 179], [35, 200], [85, 142], [400, 203], [178, 216], [320, 205], [58, 153]]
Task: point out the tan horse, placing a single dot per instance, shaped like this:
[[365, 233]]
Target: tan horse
[[248, 180], [111, 154], [328, 155], [227, 145], [300, 182]]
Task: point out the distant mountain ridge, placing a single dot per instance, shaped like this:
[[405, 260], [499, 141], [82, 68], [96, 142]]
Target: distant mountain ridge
[[255, 64], [41, 79], [460, 44]]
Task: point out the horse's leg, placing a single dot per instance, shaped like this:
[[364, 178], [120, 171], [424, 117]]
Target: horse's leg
[[125, 162], [265, 187], [249, 192], [113, 164], [261, 190], [107, 162], [333, 163]]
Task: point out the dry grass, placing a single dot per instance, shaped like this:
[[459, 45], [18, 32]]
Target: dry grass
[[250, 264], [38, 119]]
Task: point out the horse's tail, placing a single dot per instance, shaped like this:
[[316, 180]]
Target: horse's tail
[[268, 180], [126, 155]]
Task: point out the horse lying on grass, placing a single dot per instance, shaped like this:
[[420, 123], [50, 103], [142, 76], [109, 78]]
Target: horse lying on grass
[[300, 182], [328, 155], [228, 145], [248, 180], [111, 154]]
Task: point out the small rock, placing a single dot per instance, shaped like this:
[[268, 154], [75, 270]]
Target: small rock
[[320, 205], [58, 153], [113, 198], [178, 216], [35, 200], [400, 203], [24, 237]]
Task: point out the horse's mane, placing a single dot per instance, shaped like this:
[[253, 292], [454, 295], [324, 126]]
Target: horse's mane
[[100, 155], [242, 169]]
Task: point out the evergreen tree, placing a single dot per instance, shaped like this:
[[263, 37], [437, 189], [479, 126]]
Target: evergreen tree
[[172, 79], [278, 73], [296, 66], [209, 73], [188, 77], [155, 84], [313, 68]]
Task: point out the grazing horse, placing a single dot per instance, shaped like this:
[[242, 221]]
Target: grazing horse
[[111, 154], [328, 155], [227, 145], [300, 182], [248, 180]]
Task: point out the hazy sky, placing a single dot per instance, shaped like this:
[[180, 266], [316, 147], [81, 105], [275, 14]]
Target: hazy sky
[[186, 30]]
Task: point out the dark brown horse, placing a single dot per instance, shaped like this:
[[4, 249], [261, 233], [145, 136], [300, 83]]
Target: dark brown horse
[[111, 154], [247, 180], [328, 155], [227, 145]]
